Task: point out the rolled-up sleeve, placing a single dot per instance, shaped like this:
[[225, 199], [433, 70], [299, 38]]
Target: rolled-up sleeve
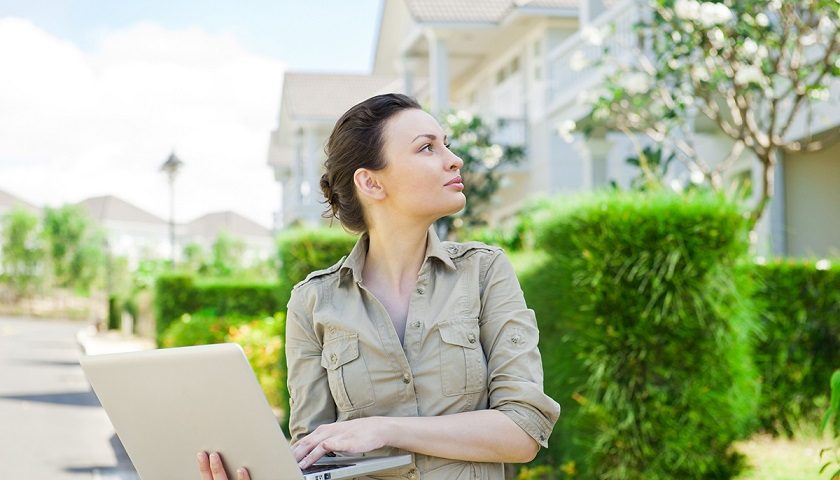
[[509, 336], [310, 401]]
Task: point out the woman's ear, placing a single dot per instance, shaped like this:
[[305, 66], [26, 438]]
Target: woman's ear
[[368, 184]]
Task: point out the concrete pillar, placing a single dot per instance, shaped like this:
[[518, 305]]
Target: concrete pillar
[[438, 72], [282, 174], [776, 210], [406, 68], [307, 187]]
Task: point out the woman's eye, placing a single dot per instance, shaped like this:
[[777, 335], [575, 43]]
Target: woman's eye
[[428, 147]]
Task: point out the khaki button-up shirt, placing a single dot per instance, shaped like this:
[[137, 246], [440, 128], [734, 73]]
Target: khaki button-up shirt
[[470, 343]]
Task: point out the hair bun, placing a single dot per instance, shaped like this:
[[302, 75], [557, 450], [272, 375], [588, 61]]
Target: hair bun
[[326, 189]]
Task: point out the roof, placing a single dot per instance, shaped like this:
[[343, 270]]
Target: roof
[[9, 201], [211, 224], [329, 95], [111, 208], [477, 11]]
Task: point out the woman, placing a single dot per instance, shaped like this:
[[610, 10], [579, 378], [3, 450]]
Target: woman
[[409, 343]]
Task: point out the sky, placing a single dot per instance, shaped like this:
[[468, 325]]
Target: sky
[[94, 95]]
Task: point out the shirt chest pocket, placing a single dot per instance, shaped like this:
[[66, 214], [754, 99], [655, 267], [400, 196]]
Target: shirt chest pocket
[[463, 368], [347, 373]]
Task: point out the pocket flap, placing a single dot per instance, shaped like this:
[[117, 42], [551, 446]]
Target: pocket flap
[[460, 333], [339, 351]]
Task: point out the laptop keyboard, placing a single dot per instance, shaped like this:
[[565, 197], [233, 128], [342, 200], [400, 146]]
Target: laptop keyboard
[[324, 468]]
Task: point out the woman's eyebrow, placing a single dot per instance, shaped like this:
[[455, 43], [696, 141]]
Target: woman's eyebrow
[[429, 136]]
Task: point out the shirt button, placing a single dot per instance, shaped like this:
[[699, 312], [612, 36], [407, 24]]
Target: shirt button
[[452, 250], [415, 324], [412, 474], [333, 358], [406, 378], [421, 291], [471, 338]]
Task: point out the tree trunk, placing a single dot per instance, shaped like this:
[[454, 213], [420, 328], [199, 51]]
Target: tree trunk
[[768, 163]]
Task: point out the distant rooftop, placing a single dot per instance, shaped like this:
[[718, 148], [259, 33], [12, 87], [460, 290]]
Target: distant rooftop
[[9, 201], [111, 208], [211, 224], [474, 11]]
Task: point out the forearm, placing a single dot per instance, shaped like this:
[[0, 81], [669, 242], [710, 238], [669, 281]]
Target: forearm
[[478, 436]]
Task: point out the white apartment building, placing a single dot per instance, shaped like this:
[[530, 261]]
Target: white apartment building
[[510, 61]]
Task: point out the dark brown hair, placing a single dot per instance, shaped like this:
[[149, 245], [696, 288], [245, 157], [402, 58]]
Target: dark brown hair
[[356, 142]]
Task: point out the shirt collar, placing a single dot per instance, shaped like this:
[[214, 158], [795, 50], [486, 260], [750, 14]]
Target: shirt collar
[[355, 261]]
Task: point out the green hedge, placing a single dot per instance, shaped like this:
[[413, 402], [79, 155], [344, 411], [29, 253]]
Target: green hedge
[[645, 327], [798, 344], [177, 294], [302, 251]]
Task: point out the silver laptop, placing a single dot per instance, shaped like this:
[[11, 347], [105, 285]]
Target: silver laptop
[[167, 405]]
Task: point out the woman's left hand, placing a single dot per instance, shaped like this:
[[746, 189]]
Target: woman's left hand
[[211, 467], [353, 436]]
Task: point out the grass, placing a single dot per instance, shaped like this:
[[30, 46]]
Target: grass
[[784, 459]]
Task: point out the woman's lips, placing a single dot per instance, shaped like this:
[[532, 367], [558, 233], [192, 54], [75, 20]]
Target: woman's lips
[[455, 182]]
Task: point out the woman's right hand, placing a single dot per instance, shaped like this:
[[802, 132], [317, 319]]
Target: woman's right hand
[[211, 467]]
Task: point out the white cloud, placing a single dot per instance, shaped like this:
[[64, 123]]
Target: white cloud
[[74, 124]]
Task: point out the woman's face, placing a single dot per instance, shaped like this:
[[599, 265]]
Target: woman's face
[[418, 177]]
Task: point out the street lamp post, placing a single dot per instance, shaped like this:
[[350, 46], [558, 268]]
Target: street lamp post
[[171, 167]]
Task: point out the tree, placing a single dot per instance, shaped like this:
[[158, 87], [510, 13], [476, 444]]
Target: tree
[[753, 67], [226, 256], [74, 246], [194, 257], [471, 139], [22, 252]]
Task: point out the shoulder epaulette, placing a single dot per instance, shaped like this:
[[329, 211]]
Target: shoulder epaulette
[[321, 273], [457, 249]]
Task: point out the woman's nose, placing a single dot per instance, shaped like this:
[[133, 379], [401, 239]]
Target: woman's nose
[[455, 162]]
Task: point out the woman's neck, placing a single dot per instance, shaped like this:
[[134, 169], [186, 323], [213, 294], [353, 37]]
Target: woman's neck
[[395, 255]]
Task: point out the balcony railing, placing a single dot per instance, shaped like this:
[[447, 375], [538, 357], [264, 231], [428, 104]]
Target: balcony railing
[[569, 64]]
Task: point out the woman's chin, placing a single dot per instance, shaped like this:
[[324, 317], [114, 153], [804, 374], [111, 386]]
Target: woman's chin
[[457, 206]]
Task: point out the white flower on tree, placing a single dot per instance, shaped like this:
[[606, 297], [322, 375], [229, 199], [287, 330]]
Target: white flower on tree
[[635, 83], [749, 74], [492, 156], [750, 48], [593, 35], [687, 9], [565, 130], [714, 14]]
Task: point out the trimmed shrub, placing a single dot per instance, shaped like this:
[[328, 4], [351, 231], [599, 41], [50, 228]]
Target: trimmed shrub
[[262, 339], [174, 296], [233, 297], [798, 344], [302, 251], [177, 294], [645, 331], [200, 328]]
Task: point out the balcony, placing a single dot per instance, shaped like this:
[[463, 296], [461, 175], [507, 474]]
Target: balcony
[[569, 65]]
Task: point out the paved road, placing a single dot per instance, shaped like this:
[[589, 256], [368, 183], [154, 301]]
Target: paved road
[[51, 424]]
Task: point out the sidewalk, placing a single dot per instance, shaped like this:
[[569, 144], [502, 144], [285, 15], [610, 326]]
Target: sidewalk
[[93, 342], [110, 341]]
